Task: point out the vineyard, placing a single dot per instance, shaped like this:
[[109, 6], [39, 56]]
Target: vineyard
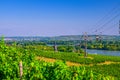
[[34, 69], [60, 40]]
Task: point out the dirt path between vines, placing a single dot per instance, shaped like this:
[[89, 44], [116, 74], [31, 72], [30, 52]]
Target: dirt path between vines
[[69, 63]]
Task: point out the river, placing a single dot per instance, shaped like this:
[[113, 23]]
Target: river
[[104, 52]]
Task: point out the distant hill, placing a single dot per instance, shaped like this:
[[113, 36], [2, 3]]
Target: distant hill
[[64, 38]]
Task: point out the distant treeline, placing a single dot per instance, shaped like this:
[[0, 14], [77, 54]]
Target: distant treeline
[[72, 45], [103, 45], [100, 45]]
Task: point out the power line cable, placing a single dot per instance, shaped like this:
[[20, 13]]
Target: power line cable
[[109, 28], [108, 21], [109, 14], [112, 11]]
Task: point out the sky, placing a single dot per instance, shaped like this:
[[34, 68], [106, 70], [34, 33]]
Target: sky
[[58, 17]]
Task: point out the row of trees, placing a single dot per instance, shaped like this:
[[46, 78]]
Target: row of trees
[[72, 46], [104, 45]]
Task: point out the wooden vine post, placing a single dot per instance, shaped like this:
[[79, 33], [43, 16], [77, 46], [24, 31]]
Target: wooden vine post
[[55, 47], [21, 69]]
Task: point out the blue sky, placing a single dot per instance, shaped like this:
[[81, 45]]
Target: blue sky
[[58, 17]]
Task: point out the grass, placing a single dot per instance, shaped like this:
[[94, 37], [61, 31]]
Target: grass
[[109, 65], [111, 69], [65, 56], [75, 57]]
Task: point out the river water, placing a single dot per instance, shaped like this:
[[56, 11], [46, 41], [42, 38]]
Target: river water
[[104, 52]]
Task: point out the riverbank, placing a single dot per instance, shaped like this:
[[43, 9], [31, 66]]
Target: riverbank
[[103, 52]]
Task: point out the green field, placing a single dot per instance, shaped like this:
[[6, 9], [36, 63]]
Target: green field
[[33, 69], [111, 69]]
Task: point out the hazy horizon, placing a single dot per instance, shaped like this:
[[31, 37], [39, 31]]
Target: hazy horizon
[[55, 36]]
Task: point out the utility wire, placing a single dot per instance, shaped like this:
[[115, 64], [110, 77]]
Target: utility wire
[[109, 14], [108, 22], [109, 28]]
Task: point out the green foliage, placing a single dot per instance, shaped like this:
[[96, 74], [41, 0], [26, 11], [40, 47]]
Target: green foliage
[[77, 57], [65, 48], [10, 56], [93, 44], [112, 70], [2, 42], [104, 45], [67, 56]]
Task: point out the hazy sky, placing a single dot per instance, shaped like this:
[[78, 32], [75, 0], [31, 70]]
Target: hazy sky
[[58, 17]]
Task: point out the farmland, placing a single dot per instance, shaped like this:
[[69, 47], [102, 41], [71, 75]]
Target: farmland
[[93, 67], [59, 39]]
